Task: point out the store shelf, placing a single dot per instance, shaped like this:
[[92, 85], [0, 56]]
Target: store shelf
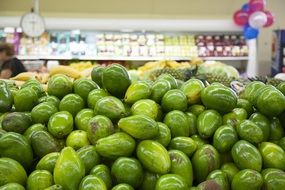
[[124, 58]]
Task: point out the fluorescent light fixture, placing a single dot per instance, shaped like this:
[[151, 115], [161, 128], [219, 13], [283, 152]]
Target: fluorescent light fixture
[[9, 29], [75, 31]]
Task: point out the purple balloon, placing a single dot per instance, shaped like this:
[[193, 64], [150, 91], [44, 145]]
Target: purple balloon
[[241, 17], [250, 33], [257, 5], [270, 19]]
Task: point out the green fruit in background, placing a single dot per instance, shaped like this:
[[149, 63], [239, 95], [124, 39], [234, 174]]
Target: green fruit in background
[[30, 131], [245, 104], [158, 89], [164, 134], [249, 131], [82, 118], [50, 99], [208, 185], [192, 90], [39, 179], [59, 85], [247, 179], [139, 126], [220, 98], [116, 145], [271, 102], [48, 162], [174, 100], [99, 127], [103, 172], [89, 157], [60, 124], [149, 181], [145, 107], [205, 160], [263, 123], [110, 107], [16, 122], [230, 169], [196, 109], [77, 139], [43, 143], [153, 156], [123, 186], [172, 81], [273, 179], [181, 165], [192, 119], [185, 144], [11, 171], [83, 87], [116, 80], [276, 130], [17, 147], [12, 186], [91, 182], [36, 86], [42, 112], [208, 122], [224, 138], [25, 99], [96, 74], [137, 90], [171, 182], [246, 156], [94, 96], [127, 170], [72, 103], [69, 169], [179, 83], [54, 187], [6, 98], [177, 121], [221, 178], [235, 117], [251, 89], [273, 155], [281, 143], [281, 87], [199, 141]]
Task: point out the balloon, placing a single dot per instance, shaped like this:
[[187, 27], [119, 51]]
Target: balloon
[[257, 19], [270, 19], [245, 7], [241, 17], [250, 33], [257, 5]]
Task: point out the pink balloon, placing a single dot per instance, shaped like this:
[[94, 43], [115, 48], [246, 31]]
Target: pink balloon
[[241, 17], [270, 19], [257, 5]]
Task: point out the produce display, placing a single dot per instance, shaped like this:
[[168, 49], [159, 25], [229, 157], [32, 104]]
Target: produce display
[[111, 132]]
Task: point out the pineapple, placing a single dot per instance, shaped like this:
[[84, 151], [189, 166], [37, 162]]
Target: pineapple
[[267, 80]]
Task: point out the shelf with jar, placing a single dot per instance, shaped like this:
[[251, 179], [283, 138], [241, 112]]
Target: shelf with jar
[[133, 46]]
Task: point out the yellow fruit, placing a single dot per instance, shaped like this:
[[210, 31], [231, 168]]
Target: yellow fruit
[[25, 76], [66, 70]]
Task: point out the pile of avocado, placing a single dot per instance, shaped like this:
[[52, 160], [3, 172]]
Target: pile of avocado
[[111, 133]]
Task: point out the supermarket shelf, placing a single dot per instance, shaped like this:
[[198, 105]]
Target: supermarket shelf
[[124, 58]]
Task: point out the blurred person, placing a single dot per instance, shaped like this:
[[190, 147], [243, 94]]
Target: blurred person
[[10, 66]]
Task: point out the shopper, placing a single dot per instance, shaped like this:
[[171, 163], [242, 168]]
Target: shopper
[[10, 66]]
